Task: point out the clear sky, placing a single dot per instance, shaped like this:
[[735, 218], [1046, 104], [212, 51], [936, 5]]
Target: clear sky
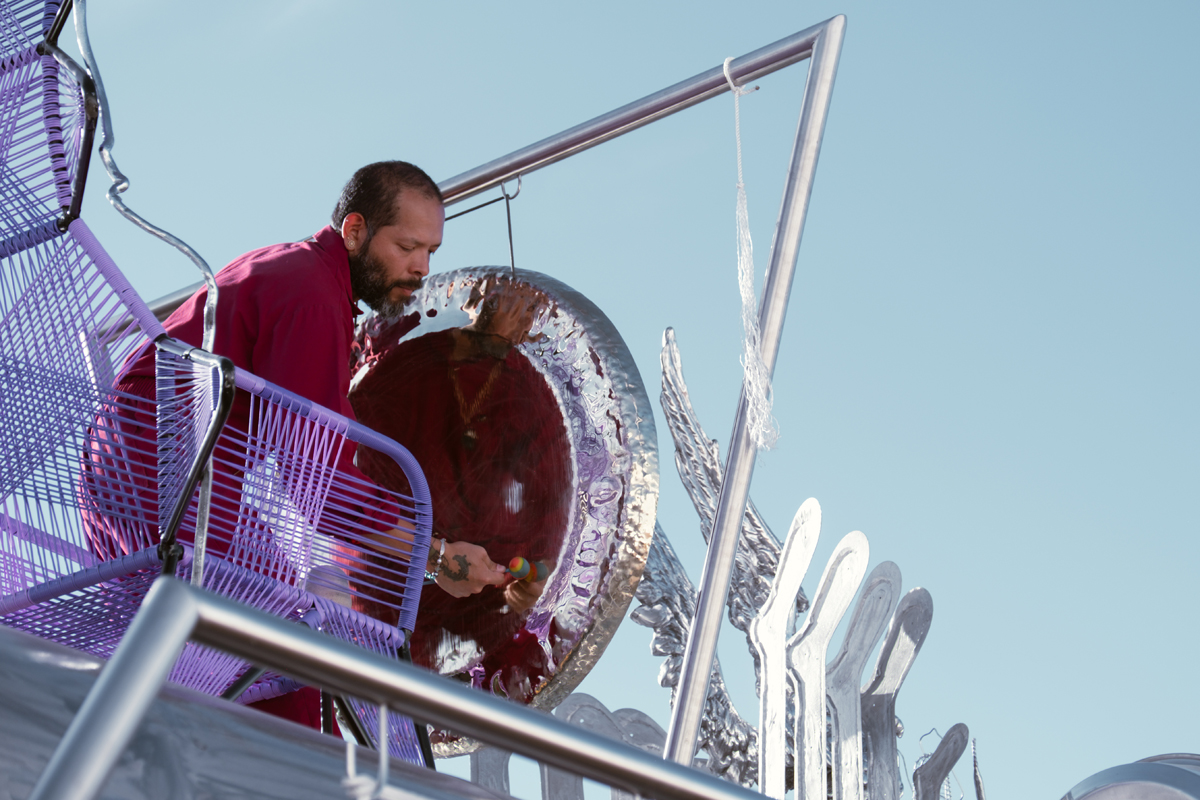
[[990, 359]]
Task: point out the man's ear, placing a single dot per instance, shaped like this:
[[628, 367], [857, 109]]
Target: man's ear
[[354, 231]]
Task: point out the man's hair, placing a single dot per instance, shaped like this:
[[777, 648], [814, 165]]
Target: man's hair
[[374, 190]]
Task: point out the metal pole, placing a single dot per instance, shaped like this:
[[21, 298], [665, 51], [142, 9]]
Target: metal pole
[[731, 505], [685, 94], [174, 612]]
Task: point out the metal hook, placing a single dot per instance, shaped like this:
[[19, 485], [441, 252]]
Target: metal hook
[[512, 196], [921, 740], [512, 259]]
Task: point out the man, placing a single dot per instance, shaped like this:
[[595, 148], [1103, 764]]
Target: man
[[286, 313]]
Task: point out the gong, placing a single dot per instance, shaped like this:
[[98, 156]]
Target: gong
[[525, 410]]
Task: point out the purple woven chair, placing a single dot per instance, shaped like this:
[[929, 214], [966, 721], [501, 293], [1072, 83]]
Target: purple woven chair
[[70, 477], [96, 480]]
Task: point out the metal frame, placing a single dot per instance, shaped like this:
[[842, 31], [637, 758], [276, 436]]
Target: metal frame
[[91, 108], [825, 49], [120, 182], [168, 550], [174, 613], [823, 44]]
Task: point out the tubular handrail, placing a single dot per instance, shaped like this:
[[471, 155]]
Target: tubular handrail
[[175, 613]]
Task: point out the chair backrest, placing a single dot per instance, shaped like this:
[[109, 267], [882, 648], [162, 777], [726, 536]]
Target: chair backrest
[[68, 319], [67, 316], [284, 506], [47, 120]]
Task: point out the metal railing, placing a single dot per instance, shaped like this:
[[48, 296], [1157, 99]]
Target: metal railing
[[175, 613]]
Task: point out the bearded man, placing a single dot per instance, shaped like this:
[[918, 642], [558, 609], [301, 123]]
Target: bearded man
[[286, 313]]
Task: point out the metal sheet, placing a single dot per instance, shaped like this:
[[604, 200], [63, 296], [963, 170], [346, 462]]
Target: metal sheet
[[906, 633], [806, 659], [876, 602], [769, 633], [244, 754], [929, 777]]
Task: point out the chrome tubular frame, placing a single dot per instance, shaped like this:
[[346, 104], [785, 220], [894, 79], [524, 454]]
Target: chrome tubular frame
[[174, 613], [706, 85], [823, 44]]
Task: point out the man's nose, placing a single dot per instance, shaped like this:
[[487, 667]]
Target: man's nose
[[421, 265]]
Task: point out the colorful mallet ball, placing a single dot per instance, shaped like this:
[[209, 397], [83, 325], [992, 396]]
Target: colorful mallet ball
[[522, 570]]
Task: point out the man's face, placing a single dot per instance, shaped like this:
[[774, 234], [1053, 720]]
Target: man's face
[[385, 273]]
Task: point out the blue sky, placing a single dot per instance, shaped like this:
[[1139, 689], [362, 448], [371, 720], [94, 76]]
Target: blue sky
[[989, 364]]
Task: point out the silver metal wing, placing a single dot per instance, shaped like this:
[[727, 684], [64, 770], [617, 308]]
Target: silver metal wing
[[697, 458], [668, 603]]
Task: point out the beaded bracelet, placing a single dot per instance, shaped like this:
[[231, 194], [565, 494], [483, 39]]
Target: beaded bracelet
[[431, 577]]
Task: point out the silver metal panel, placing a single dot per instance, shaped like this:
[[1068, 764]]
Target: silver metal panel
[[489, 768], [843, 678], [806, 659], [242, 754], [929, 777], [768, 633], [906, 633]]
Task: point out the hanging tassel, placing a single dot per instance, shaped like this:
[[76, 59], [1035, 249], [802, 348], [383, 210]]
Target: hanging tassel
[[760, 423]]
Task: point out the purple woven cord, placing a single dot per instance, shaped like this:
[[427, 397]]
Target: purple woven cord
[[16, 60], [77, 581], [120, 284], [28, 239], [46, 541], [51, 117], [354, 431]]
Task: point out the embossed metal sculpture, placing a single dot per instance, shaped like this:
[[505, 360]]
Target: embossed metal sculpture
[[862, 726], [667, 603], [806, 657], [767, 631]]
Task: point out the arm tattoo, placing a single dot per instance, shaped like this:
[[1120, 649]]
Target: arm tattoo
[[459, 574]]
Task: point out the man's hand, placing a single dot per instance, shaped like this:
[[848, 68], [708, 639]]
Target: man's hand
[[466, 569], [521, 595]]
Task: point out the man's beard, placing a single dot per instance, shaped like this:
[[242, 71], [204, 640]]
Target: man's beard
[[369, 280]]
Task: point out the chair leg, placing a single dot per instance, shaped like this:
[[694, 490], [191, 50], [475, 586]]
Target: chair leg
[[243, 683], [422, 729], [349, 722], [326, 712]]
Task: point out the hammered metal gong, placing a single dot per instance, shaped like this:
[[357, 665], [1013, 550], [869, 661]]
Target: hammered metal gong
[[529, 418]]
